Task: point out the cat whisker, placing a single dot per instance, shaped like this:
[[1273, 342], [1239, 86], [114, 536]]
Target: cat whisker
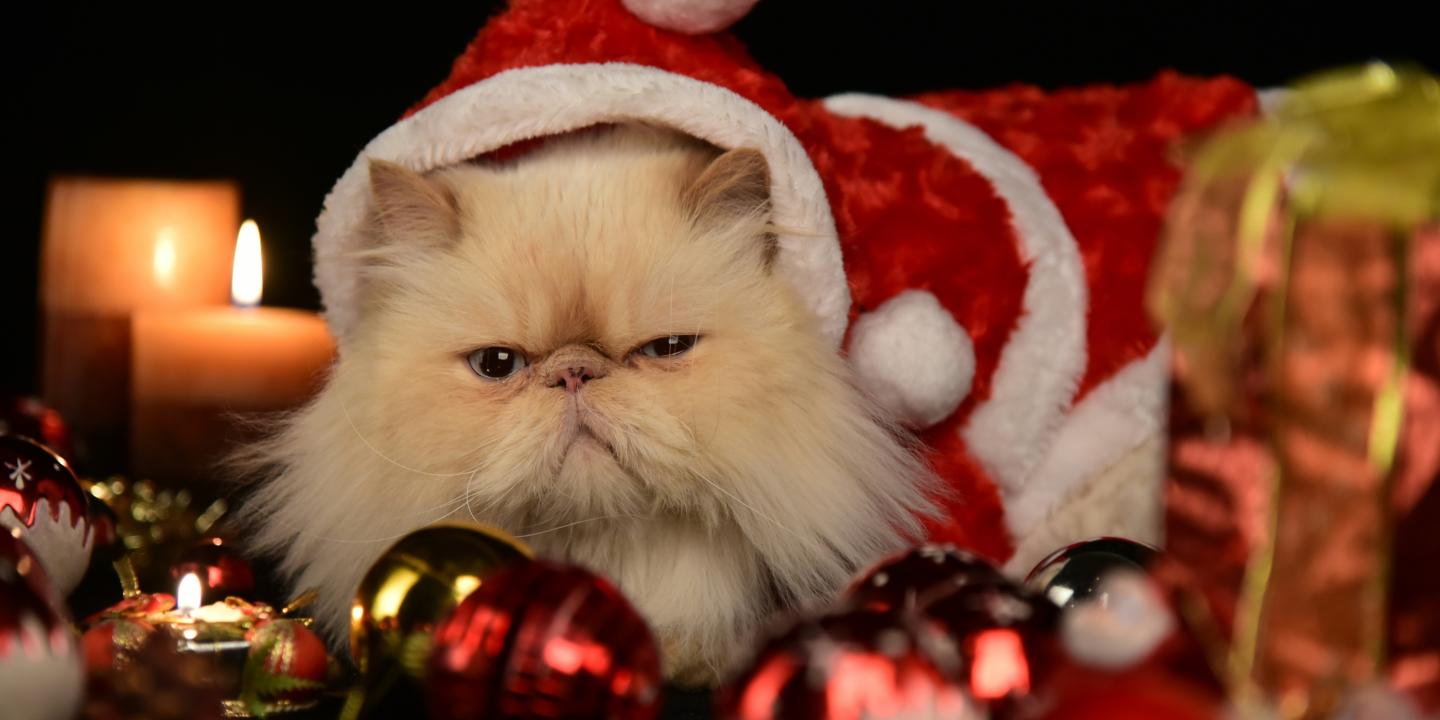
[[359, 541], [749, 507], [346, 410], [577, 522]]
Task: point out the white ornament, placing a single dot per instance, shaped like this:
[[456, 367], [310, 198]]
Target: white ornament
[[45, 504], [41, 678], [41, 674], [62, 544]]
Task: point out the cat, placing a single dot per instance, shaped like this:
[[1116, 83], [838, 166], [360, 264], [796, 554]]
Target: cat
[[588, 347]]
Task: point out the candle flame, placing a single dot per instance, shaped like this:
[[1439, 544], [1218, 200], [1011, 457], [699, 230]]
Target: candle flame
[[164, 258], [187, 596], [247, 277]]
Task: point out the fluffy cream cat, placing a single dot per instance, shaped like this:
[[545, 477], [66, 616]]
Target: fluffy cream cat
[[587, 347]]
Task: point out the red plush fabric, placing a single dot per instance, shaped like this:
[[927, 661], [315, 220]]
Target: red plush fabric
[[1105, 155], [546, 32], [903, 210]]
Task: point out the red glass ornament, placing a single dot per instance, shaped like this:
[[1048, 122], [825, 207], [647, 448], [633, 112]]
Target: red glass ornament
[[858, 664], [40, 668], [542, 640], [32, 418], [288, 649], [1006, 637], [111, 643], [40, 497], [1144, 693], [914, 578], [222, 571], [138, 607]]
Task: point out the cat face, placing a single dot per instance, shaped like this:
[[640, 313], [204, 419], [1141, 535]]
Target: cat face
[[586, 341], [587, 348]]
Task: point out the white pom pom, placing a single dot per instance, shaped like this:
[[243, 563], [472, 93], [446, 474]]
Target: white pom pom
[[913, 358], [1120, 626], [692, 17]]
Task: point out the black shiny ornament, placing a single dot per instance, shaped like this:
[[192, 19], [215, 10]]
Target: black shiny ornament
[[1072, 574]]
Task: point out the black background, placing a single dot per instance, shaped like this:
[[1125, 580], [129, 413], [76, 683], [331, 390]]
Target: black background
[[284, 99]]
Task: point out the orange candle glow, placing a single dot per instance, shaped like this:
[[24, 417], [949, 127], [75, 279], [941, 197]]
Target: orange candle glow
[[193, 368], [113, 247]]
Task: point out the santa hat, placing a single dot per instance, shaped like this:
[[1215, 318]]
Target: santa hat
[[980, 257]]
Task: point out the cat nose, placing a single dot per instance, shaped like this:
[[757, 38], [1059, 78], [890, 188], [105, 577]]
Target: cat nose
[[571, 377]]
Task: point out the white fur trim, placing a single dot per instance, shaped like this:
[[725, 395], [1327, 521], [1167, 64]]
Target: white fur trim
[[913, 358], [534, 102], [1040, 366], [693, 17], [62, 547], [1116, 417]]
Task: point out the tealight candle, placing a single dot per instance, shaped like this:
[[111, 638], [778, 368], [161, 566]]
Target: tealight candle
[[248, 645]]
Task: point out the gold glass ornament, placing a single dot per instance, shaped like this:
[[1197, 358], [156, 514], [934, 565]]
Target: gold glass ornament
[[411, 588]]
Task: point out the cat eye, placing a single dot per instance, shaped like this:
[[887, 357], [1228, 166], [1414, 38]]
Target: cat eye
[[668, 346], [496, 363]]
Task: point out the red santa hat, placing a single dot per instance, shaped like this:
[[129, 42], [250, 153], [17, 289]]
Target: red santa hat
[[980, 257]]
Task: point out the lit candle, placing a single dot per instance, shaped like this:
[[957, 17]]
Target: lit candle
[[229, 635], [187, 594], [113, 247], [187, 604], [192, 368]]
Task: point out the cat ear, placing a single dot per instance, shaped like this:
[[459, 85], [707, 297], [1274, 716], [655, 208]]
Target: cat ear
[[733, 193], [408, 208]]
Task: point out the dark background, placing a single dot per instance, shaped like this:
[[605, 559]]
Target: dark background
[[283, 102]]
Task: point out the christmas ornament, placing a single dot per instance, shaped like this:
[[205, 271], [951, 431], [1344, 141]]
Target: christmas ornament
[[410, 589], [156, 526], [576, 648], [222, 571], [1112, 614], [112, 642], [1144, 693], [858, 664], [41, 676], [963, 233], [31, 417], [1006, 638], [1301, 283], [914, 578], [262, 662], [1119, 623], [1072, 574], [284, 669], [138, 606], [158, 683], [40, 497]]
